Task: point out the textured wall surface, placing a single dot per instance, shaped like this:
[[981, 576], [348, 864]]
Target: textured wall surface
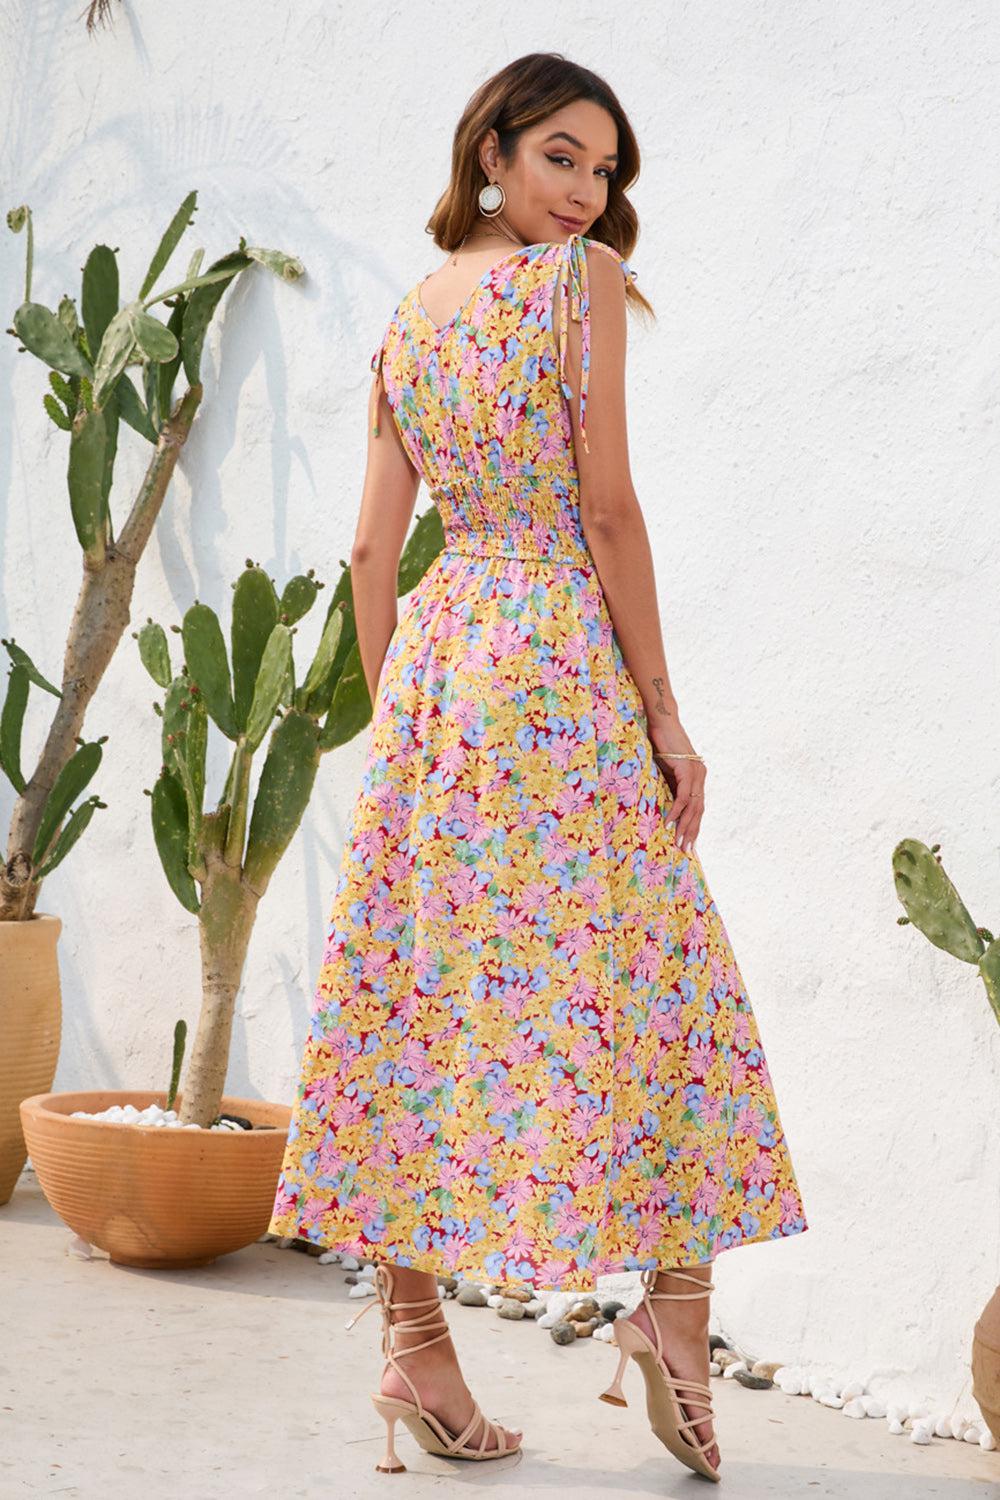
[[813, 426]]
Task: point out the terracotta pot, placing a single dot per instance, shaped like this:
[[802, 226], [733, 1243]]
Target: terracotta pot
[[150, 1196], [986, 1363], [30, 1029]]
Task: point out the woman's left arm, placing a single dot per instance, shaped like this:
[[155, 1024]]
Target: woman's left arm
[[387, 503]]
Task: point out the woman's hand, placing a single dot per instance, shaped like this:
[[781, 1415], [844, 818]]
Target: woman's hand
[[686, 780]]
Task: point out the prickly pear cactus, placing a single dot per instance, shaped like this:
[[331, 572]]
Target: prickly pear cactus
[[932, 902]]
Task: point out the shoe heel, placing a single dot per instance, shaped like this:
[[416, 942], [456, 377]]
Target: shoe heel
[[391, 1463], [614, 1395]]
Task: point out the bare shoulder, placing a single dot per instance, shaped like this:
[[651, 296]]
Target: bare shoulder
[[606, 262]]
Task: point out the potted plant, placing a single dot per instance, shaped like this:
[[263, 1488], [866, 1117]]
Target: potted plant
[[933, 904], [159, 1197], [90, 354]]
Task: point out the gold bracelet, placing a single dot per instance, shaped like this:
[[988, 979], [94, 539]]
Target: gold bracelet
[[676, 755]]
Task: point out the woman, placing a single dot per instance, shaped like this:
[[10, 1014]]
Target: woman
[[532, 1058]]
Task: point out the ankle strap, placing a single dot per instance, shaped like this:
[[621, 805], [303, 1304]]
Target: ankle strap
[[648, 1278]]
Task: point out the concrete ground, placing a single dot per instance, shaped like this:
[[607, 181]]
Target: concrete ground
[[240, 1380]]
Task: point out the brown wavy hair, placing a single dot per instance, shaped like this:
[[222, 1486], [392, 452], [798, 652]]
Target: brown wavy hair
[[519, 96]]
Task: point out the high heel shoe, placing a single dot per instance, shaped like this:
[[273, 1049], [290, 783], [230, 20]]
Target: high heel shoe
[[432, 1435], [666, 1418]]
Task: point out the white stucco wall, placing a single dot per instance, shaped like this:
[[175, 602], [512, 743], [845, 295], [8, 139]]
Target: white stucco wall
[[814, 438]]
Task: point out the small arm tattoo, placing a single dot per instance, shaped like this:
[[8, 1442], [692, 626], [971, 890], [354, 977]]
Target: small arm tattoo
[[661, 708]]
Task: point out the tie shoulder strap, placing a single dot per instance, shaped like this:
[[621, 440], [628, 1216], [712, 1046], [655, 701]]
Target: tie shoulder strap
[[573, 293]]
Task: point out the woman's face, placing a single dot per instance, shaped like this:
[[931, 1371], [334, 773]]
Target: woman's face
[[557, 184]]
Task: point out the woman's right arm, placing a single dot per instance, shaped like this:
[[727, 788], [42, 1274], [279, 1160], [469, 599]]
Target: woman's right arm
[[615, 530]]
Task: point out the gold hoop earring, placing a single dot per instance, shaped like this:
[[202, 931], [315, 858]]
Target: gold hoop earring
[[491, 199]]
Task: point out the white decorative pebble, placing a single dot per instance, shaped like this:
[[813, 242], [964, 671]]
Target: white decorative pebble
[[852, 1390], [546, 1320], [873, 1406], [495, 1301], [988, 1441], [80, 1247], [895, 1426], [560, 1303], [854, 1408], [972, 1433], [329, 1257], [897, 1413], [829, 1399], [349, 1263], [603, 1333], [730, 1370], [920, 1434], [941, 1426], [361, 1289], [713, 1368], [368, 1272]]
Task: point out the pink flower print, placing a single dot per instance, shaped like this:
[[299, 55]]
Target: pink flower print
[[665, 1021], [687, 888], [467, 713], [520, 1244], [314, 1209], [706, 1196], [452, 1173], [694, 934], [711, 1109], [464, 888], [584, 1049], [791, 1207], [761, 1170], [738, 1072], [533, 1141], [560, 1096], [364, 1205], [326, 1088], [573, 799], [582, 1121], [507, 924], [569, 1220], [650, 1230], [533, 898], [700, 1059], [513, 1000], [398, 867], [586, 1173], [621, 1137], [506, 639], [741, 1031], [408, 1136], [347, 1111], [574, 649], [551, 1272], [368, 842], [648, 960], [502, 1098], [518, 1191], [284, 1203], [478, 1146], [508, 419], [583, 990], [575, 942], [521, 1050], [551, 444], [563, 748], [452, 1249], [550, 674], [375, 965], [557, 849], [329, 1159], [590, 890]]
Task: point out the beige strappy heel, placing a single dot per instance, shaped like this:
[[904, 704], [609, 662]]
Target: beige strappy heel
[[666, 1416], [431, 1434]]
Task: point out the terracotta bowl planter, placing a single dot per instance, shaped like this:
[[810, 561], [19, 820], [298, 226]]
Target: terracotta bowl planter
[[150, 1196], [986, 1363], [31, 1020]]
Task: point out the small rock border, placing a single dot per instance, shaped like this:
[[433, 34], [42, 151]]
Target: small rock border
[[569, 1316]]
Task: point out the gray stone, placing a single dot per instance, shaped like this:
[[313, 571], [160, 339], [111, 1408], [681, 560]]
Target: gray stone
[[581, 1311], [753, 1382], [510, 1308], [470, 1296], [610, 1310], [563, 1333]]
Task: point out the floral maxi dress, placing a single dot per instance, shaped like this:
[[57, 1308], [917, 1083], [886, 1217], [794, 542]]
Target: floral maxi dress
[[532, 1058]]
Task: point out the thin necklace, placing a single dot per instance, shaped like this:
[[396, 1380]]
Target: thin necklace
[[454, 254]]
